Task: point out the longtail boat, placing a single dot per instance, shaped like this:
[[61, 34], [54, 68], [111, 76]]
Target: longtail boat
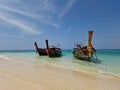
[[40, 51], [84, 52], [53, 51], [50, 51]]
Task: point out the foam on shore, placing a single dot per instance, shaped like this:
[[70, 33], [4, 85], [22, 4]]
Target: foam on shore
[[5, 57]]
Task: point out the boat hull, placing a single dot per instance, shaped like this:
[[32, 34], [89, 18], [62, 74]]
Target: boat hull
[[42, 52], [55, 52], [82, 53]]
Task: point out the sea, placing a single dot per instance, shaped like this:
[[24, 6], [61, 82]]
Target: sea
[[108, 60]]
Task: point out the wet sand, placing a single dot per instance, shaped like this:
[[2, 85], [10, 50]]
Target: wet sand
[[19, 75]]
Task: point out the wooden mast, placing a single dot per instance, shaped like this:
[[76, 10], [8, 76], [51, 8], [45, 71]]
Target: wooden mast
[[89, 44], [47, 47], [37, 49]]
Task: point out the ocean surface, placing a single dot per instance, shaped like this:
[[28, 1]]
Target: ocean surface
[[109, 60]]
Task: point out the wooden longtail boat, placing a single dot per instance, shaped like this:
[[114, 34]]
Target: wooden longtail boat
[[53, 51], [40, 51], [84, 52], [50, 51]]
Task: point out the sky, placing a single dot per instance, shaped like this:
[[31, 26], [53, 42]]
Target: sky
[[62, 22]]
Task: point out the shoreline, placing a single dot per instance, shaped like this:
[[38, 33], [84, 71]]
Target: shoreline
[[16, 75], [87, 72]]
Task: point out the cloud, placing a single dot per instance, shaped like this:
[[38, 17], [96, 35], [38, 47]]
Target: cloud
[[69, 29], [22, 26], [43, 12], [66, 8], [19, 11], [10, 36], [44, 18]]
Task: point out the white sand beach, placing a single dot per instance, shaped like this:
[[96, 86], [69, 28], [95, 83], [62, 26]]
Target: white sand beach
[[19, 75]]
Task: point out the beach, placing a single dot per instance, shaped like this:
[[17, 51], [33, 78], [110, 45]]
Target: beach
[[21, 75]]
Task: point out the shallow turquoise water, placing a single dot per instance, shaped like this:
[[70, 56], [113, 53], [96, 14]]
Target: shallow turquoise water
[[110, 60]]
